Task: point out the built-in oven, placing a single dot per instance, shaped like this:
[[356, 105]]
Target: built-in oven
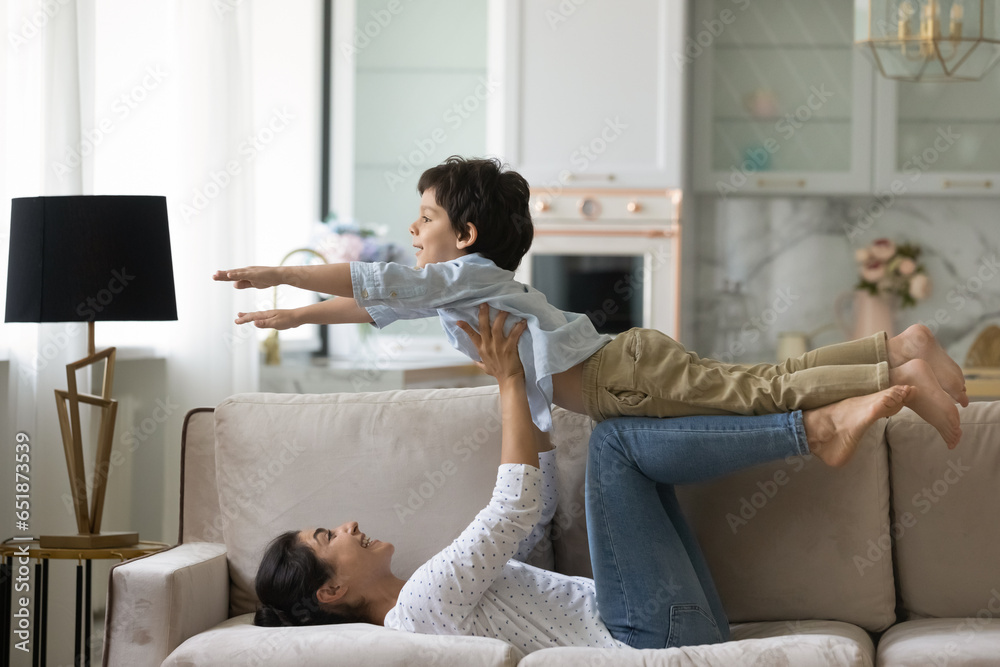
[[611, 254]]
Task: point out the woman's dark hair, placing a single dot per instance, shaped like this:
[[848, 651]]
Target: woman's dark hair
[[287, 580], [492, 198]]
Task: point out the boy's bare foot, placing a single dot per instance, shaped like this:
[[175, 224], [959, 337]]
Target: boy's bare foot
[[834, 431], [918, 342], [928, 399]]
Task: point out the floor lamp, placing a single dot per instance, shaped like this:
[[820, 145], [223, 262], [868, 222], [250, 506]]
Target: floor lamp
[[89, 259]]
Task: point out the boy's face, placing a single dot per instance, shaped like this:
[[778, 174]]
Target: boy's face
[[433, 235]]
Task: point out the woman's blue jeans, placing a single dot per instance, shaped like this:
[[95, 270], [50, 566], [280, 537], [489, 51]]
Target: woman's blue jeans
[[654, 589]]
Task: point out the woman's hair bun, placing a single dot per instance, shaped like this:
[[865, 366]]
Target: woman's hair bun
[[267, 617]]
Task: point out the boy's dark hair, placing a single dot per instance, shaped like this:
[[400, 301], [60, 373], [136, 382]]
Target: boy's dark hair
[[492, 198]]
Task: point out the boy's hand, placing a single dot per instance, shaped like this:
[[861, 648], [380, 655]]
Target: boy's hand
[[497, 351], [251, 276], [270, 319]]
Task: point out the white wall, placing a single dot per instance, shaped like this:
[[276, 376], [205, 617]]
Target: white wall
[[410, 77]]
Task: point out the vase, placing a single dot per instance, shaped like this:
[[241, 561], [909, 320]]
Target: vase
[[871, 313]]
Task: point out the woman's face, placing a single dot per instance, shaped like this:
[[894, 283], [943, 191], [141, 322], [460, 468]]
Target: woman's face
[[356, 559]]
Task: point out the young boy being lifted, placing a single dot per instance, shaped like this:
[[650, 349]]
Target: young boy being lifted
[[474, 226]]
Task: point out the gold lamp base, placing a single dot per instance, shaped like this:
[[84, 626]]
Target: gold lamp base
[[88, 541], [88, 520]]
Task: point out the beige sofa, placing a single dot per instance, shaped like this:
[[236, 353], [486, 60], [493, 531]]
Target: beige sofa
[[891, 560]]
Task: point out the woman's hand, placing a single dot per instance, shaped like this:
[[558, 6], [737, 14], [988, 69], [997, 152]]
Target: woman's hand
[[270, 319], [497, 351], [251, 276]]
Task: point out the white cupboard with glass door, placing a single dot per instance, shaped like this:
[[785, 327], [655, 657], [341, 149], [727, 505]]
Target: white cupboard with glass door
[[938, 138], [783, 100]]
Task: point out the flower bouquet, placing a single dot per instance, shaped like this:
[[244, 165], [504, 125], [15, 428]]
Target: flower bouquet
[[351, 241], [888, 269], [354, 242]]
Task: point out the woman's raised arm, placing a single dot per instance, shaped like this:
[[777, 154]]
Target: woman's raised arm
[[519, 443]]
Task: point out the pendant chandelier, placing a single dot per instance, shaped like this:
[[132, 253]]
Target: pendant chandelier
[[929, 40]]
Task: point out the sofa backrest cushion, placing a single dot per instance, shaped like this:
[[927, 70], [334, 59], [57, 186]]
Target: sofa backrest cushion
[[946, 515], [201, 518], [782, 540], [787, 540], [568, 531], [411, 467]]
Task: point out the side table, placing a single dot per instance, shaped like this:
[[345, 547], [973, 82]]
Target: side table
[[15, 560]]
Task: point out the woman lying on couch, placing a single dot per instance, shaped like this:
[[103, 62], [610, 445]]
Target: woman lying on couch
[[642, 549]]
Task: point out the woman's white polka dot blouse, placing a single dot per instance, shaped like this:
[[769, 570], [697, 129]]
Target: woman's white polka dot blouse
[[473, 587]]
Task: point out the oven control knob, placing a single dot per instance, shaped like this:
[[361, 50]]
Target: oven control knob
[[590, 208], [633, 207], [542, 206]]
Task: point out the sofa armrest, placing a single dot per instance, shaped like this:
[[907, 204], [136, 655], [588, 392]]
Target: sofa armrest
[[158, 601]]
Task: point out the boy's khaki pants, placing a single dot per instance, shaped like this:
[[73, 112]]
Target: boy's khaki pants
[[645, 373]]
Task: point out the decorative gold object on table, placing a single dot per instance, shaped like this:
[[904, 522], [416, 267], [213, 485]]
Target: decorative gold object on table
[[271, 346], [985, 350], [68, 406]]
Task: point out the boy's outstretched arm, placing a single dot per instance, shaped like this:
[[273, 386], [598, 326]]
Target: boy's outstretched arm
[[332, 311], [326, 278]]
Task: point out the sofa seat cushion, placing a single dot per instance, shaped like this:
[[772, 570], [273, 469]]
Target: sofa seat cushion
[[945, 506], [238, 641], [955, 642], [772, 644]]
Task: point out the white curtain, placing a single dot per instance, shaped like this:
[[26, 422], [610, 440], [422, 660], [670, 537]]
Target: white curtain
[[120, 97]]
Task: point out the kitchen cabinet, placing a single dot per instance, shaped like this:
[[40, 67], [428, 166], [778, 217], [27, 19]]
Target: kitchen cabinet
[[593, 91], [782, 99], [938, 138]]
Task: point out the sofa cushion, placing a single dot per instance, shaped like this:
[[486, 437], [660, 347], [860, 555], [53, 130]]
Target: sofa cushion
[[955, 642], [798, 644], [412, 467], [796, 525], [945, 509], [571, 434], [238, 642]]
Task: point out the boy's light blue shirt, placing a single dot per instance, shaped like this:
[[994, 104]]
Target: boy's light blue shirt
[[554, 341]]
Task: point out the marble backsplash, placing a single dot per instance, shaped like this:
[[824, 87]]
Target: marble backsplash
[[767, 265]]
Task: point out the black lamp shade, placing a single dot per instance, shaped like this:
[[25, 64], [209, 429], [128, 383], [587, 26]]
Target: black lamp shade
[[89, 258]]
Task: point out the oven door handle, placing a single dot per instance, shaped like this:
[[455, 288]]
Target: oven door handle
[[645, 233]]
